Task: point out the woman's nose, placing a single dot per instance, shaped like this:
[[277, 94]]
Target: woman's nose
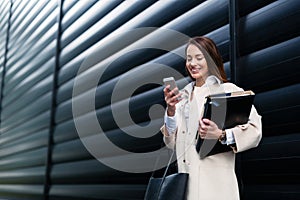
[[192, 63]]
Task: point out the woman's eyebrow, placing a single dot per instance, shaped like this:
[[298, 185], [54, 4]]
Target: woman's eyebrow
[[200, 54]]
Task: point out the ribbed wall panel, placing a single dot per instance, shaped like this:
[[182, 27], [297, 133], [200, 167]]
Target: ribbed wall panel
[[267, 59], [150, 17], [4, 19], [268, 43], [266, 66], [248, 6], [26, 98], [269, 25]]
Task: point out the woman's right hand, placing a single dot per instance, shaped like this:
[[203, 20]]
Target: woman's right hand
[[171, 99]]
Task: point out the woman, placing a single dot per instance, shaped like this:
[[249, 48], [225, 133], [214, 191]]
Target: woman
[[212, 177]]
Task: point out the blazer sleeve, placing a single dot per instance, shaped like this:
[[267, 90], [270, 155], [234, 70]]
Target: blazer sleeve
[[169, 140], [248, 135]]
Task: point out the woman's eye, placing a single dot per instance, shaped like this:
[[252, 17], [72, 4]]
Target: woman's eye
[[199, 58]]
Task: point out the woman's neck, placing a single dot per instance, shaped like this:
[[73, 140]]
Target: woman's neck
[[199, 82]]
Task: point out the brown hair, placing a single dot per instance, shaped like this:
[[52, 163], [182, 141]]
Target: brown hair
[[212, 56]]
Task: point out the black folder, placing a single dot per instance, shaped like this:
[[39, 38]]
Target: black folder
[[227, 110]]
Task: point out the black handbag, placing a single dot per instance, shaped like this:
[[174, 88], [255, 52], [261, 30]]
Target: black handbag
[[168, 187]]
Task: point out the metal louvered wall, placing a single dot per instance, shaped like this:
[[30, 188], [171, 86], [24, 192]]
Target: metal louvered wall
[[45, 43], [26, 98]]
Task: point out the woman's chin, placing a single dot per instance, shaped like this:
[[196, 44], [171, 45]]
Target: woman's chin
[[196, 76]]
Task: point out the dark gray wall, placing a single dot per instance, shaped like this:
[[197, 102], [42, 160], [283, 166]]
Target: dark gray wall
[[44, 43]]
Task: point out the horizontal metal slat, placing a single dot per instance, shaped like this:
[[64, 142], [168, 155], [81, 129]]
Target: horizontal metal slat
[[262, 29], [65, 131], [81, 171], [20, 162], [4, 14], [156, 37], [93, 171], [113, 43], [37, 107], [35, 124], [82, 17], [278, 99], [28, 20], [284, 121], [272, 171], [28, 97], [271, 148], [67, 5], [247, 6], [18, 16], [39, 53], [36, 78], [103, 94], [72, 10], [265, 66], [105, 191], [37, 28], [70, 151], [19, 192], [33, 141], [65, 91], [264, 163], [3, 6], [104, 90], [279, 110], [272, 192], [216, 11], [16, 6], [65, 148]]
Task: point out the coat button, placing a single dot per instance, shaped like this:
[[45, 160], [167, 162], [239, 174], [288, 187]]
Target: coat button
[[243, 126], [184, 161], [183, 132]]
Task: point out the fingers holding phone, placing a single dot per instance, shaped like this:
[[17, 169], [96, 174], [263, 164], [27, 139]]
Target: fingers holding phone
[[172, 95]]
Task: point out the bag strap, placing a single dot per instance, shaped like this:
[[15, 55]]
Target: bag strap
[[168, 166], [165, 174]]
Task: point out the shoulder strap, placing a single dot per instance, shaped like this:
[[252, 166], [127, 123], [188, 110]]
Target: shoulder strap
[[165, 174]]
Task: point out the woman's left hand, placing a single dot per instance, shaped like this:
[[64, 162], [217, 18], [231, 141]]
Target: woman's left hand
[[208, 129]]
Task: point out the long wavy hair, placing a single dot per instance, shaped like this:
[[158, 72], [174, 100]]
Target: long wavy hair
[[211, 55]]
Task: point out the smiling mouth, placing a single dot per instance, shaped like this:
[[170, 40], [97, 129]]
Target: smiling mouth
[[195, 69]]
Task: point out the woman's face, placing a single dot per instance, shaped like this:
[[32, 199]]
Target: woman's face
[[196, 63]]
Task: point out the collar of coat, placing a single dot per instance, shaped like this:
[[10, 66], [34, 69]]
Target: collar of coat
[[210, 80]]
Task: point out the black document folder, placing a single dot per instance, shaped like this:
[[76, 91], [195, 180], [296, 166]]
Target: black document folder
[[227, 110]]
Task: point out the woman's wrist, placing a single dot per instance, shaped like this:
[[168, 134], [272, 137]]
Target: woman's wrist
[[222, 136], [170, 112]]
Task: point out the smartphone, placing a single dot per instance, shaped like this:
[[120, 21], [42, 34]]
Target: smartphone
[[170, 81]]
